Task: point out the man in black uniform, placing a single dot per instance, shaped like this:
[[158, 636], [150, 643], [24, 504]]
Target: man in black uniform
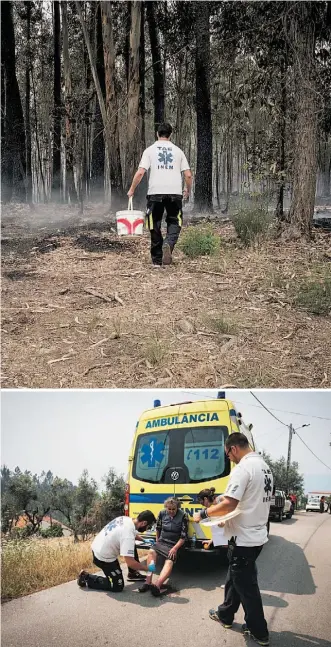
[[165, 163]]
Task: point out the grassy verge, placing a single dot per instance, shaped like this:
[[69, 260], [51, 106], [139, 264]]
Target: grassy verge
[[32, 565], [29, 566]]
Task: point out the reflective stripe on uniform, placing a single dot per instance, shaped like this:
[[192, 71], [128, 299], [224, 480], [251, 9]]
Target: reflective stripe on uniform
[[180, 220], [151, 221]]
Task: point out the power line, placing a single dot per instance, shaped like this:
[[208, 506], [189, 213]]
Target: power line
[[311, 451], [294, 413], [264, 407]]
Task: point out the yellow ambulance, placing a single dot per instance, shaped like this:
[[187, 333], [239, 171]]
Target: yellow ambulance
[[177, 451]]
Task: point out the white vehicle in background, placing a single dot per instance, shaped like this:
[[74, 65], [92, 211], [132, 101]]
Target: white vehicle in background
[[313, 503]]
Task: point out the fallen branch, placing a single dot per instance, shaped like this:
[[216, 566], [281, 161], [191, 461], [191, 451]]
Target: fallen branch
[[195, 269], [103, 296], [117, 298], [113, 335], [96, 366], [89, 258], [60, 359], [98, 295]]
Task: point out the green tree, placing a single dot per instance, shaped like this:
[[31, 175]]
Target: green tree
[[278, 468]]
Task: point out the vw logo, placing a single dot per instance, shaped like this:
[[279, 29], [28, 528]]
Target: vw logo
[[175, 476]]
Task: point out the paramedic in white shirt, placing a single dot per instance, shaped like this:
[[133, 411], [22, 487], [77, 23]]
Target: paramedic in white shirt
[[116, 539], [165, 163], [249, 489]]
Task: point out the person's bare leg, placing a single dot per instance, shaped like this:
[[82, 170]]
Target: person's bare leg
[[151, 557], [165, 573]]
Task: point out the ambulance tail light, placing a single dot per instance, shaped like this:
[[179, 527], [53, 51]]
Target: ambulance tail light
[[127, 500]]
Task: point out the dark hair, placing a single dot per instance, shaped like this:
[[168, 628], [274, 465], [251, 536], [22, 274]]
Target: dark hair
[[148, 516], [237, 440], [207, 493], [164, 130]]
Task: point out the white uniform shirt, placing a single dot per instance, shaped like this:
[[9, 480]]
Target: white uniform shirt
[[165, 163], [115, 539], [251, 483]]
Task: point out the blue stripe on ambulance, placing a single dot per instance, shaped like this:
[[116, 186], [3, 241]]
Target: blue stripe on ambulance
[[160, 498]]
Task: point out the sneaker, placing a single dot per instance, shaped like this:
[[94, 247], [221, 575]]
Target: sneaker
[[214, 616], [156, 266], [167, 256], [136, 577], [81, 580], [144, 588], [261, 641]]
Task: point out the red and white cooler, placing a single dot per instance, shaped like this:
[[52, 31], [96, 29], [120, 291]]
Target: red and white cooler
[[130, 222]]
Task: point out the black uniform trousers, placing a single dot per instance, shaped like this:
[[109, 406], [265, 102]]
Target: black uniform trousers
[[156, 204], [241, 587]]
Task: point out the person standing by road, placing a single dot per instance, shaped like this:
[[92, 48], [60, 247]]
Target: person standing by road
[[116, 539], [249, 488], [322, 501], [165, 163]]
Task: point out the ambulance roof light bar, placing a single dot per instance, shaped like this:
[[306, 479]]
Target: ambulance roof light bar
[[221, 395], [157, 403]]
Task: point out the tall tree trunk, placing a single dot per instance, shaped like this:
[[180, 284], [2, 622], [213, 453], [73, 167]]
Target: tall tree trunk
[[127, 41], [282, 135], [13, 160], [37, 138], [56, 175], [112, 132], [142, 61], [71, 193], [203, 197], [98, 143], [92, 65], [181, 123], [134, 129], [158, 77], [305, 97], [27, 106]]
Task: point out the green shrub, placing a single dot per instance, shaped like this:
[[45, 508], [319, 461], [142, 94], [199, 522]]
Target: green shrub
[[21, 533], [53, 531], [251, 223], [199, 241], [314, 295]]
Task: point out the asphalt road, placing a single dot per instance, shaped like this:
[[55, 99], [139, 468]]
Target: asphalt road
[[295, 580]]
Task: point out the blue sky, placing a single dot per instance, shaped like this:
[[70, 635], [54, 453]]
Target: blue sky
[[67, 431]]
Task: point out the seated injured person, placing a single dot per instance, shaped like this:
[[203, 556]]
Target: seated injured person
[[171, 535]]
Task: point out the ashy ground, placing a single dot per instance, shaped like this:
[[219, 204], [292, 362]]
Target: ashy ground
[[83, 308]]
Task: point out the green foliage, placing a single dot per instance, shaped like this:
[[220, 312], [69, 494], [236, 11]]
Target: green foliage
[[81, 507], [53, 531], [22, 533], [199, 241], [314, 295], [251, 223], [278, 468]]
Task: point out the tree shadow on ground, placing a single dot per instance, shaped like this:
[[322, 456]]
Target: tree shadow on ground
[[283, 568]]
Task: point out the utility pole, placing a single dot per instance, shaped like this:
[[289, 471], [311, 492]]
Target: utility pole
[[290, 434], [291, 431]]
